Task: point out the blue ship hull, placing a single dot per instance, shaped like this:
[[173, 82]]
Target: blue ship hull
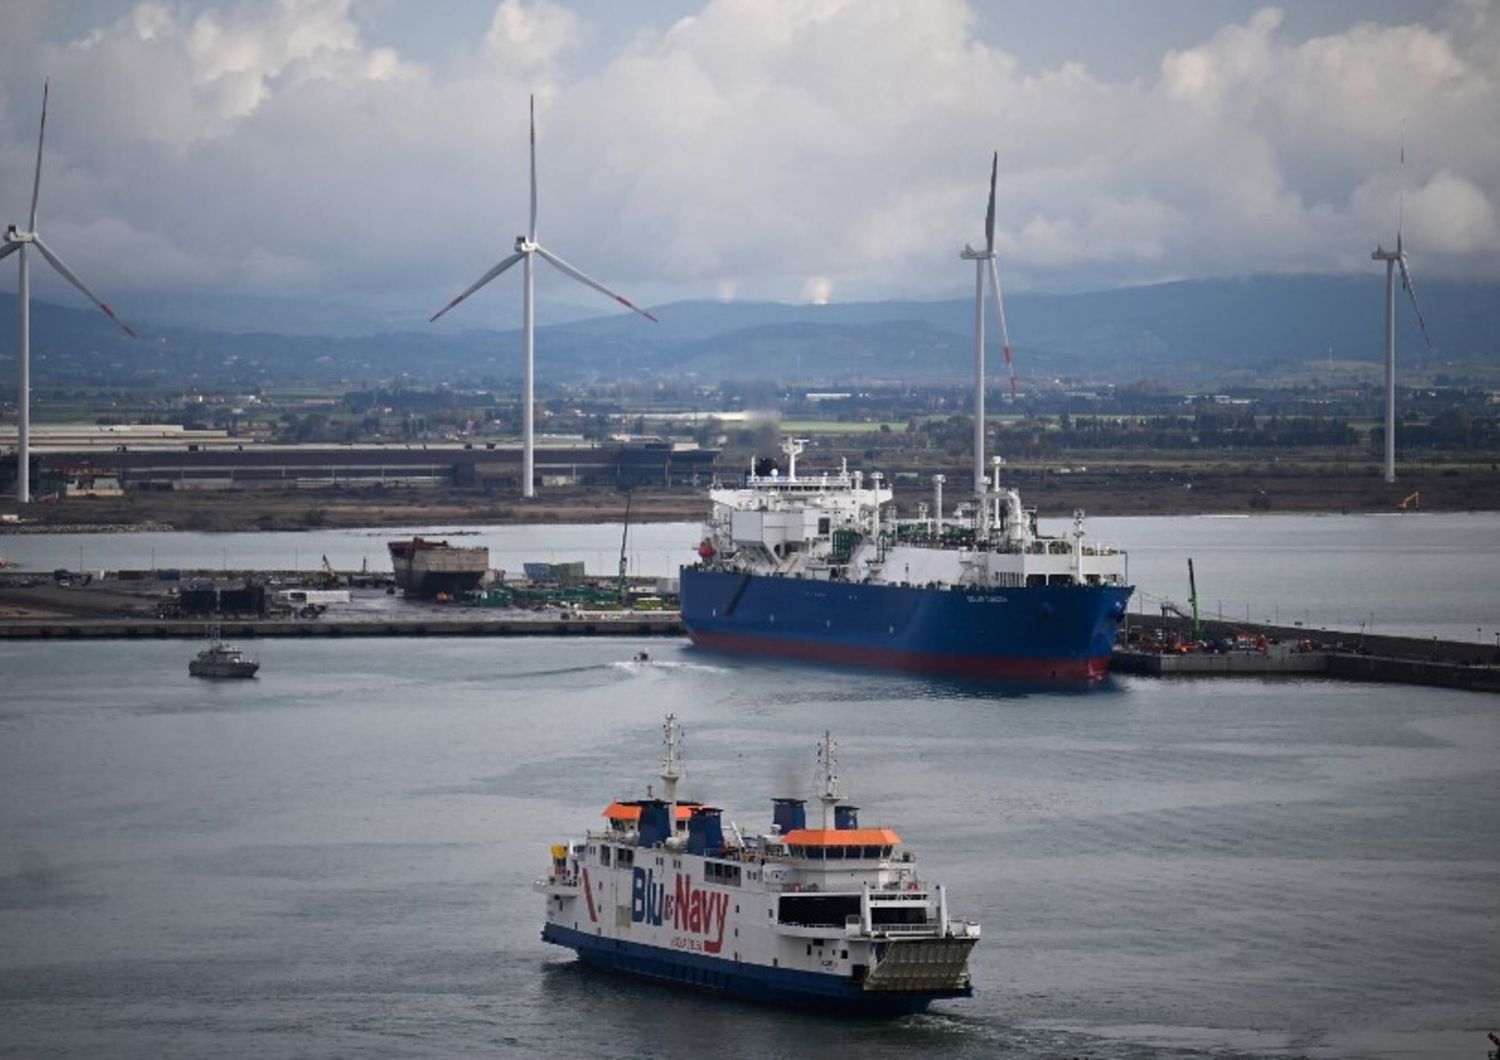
[[1063, 632], [749, 982]]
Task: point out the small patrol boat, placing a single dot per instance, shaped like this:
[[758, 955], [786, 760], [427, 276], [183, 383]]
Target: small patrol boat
[[221, 659], [832, 917]]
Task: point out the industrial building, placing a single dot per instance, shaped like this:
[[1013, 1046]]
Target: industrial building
[[211, 460]]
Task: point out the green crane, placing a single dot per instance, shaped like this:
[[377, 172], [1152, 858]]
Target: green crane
[[1193, 598], [624, 535]]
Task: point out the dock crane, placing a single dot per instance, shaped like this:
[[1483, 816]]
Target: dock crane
[[624, 536], [1193, 598]]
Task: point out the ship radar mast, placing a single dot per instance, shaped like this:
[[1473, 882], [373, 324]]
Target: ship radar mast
[[671, 768], [828, 783], [793, 448]]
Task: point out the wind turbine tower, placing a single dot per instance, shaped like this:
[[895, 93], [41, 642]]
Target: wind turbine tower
[[526, 248], [19, 243], [1395, 259], [984, 262]]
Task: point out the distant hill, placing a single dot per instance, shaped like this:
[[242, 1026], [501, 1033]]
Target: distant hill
[[1184, 332]]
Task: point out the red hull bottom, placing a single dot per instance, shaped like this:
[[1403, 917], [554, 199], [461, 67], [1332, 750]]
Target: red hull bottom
[[934, 663]]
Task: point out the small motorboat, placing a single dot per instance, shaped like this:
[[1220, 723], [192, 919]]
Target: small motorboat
[[642, 656]]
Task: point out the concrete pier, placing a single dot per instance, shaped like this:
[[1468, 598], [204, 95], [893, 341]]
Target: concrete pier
[[628, 625], [1295, 651]]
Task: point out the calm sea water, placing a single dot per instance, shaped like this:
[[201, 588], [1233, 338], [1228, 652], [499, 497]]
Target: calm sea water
[[1418, 573], [335, 859]]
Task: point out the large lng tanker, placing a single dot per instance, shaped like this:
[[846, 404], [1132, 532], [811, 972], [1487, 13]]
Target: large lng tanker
[[813, 567], [816, 568], [835, 916]]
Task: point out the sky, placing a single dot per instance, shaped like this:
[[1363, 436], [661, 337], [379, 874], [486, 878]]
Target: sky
[[371, 155]]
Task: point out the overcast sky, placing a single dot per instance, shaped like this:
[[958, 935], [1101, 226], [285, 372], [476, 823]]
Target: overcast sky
[[372, 153]]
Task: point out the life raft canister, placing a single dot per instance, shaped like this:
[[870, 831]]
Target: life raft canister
[[705, 550]]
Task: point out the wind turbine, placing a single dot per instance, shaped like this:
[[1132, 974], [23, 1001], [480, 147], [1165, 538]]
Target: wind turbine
[[1393, 260], [17, 242], [526, 248], [981, 259]]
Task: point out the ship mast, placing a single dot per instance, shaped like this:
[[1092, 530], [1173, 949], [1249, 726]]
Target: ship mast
[[671, 768], [792, 447], [828, 788]]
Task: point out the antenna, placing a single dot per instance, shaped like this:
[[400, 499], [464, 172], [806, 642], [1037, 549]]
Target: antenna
[[526, 248], [671, 767], [828, 783]]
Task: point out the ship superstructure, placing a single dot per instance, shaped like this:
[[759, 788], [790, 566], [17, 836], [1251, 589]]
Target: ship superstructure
[[831, 916], [818, 567]]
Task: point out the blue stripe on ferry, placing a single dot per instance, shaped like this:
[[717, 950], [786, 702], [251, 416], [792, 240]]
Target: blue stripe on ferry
[[750, 982]]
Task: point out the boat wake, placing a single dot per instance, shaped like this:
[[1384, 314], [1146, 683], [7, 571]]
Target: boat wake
[[644, 665]]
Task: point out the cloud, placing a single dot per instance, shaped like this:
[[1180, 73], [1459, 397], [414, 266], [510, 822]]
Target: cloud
[[268, 144], [530, 37]]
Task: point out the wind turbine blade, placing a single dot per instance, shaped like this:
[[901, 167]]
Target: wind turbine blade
[[989, 215], [1000, 316], [7, 249], [67, 274], [1411, 290], [486, 278], [532, 229], [36, 182], [563, 266]]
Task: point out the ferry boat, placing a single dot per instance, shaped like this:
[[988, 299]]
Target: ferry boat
[[816, 567], [833, 917]]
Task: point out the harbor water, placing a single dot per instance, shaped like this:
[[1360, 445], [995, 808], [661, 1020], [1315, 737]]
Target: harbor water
[[335, 858]]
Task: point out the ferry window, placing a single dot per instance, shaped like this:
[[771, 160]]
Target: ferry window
[[624, 857], [835, 852], [843, 955], [604, 855], [870, 852], [818, 910], [823, 525], [885, 914]]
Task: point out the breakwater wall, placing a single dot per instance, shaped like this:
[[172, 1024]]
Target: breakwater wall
[[1295, 650], [662, 625]]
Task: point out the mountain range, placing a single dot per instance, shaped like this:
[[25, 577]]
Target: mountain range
[[1184, 332]]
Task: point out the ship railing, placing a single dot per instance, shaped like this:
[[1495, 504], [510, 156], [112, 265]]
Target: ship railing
[[556, 880], [905, 929]]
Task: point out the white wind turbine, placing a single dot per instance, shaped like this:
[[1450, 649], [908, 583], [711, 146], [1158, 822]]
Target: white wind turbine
[[984, 261], [1395, 259], [17, 242], [526, 247]]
